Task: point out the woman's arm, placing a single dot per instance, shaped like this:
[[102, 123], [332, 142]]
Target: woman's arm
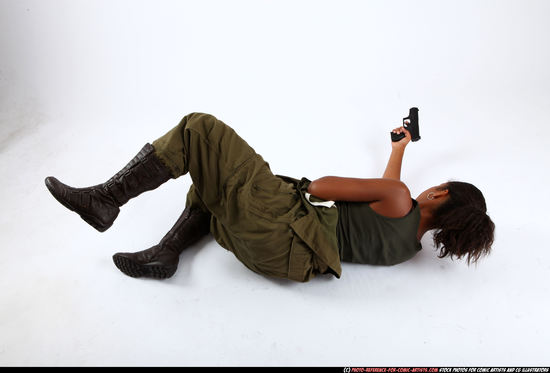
[[392, 197], [355, 189], [393, 169], [388, 195]]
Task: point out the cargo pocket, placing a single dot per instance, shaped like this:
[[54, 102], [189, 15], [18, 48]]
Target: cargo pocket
[[300, 261], [271, 197], [315, 237]]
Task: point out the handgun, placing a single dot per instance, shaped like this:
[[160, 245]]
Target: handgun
[[411, 124]]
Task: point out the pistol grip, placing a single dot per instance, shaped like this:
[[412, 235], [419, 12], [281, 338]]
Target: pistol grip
[[396, 136]]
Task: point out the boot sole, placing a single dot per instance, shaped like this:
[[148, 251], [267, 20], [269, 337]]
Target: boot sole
[[136, 270], [87, 218]]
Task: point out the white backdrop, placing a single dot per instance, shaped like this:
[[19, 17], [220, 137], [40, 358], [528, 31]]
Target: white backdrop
[[315, 87]]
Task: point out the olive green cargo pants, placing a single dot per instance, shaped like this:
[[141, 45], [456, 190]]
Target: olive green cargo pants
[[251, 208]]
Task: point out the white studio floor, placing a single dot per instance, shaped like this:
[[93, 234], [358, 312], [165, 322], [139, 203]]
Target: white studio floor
[[315, 87]]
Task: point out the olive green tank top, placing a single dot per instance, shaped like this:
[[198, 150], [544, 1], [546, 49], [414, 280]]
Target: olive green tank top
[[366, 237]]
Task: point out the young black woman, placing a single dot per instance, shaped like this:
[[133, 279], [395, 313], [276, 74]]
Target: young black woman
[[276, 225]]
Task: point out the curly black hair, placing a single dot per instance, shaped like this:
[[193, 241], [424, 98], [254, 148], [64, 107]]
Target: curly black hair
[[462, 226]]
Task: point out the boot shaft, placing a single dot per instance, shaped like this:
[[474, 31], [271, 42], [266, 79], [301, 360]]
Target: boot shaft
[[191, 226], [143, 173]]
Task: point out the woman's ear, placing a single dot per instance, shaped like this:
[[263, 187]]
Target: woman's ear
[[441, 193]]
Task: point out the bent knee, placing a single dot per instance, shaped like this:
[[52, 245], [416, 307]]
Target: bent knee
[[198, 116], [199, 121]]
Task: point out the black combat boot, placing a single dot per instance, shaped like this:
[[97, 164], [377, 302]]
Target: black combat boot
[[161, 260], [99, 205]]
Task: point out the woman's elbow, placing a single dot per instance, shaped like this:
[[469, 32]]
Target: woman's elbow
[[318, 186], [312, 187]]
